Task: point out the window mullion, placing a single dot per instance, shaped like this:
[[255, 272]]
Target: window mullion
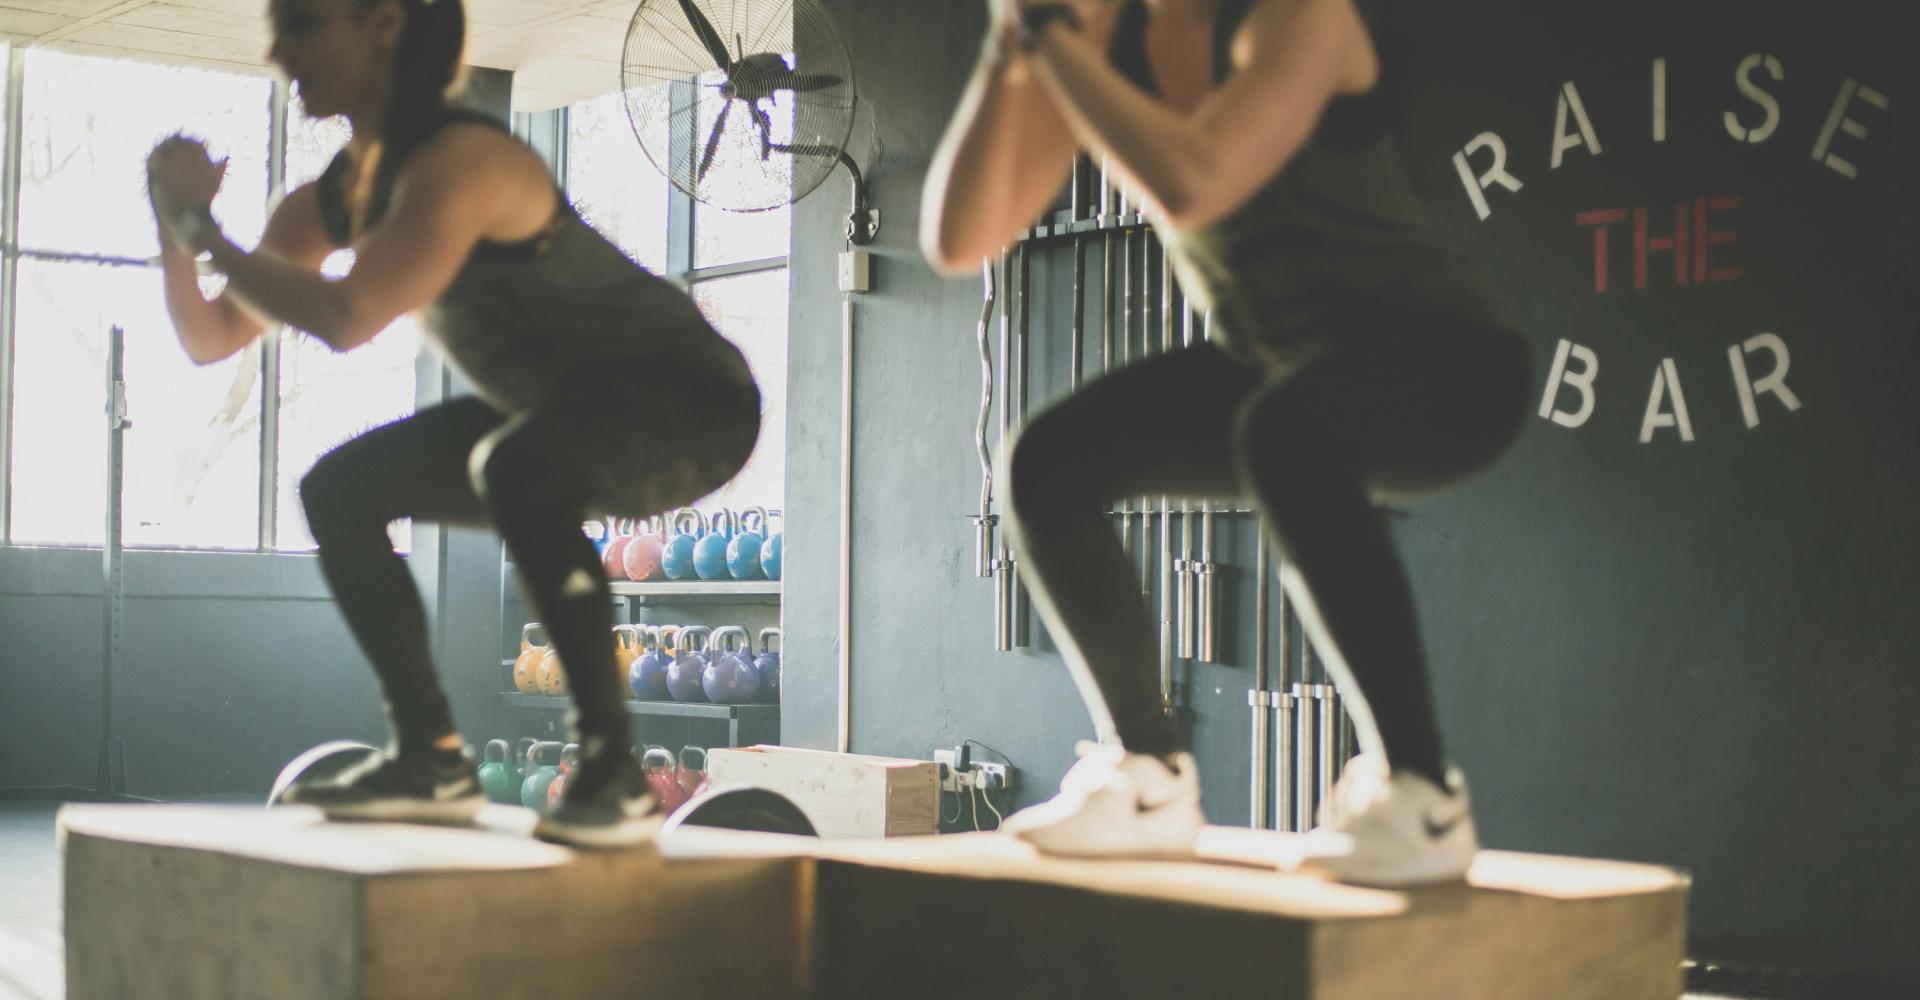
[[9, 278], [270, 340]]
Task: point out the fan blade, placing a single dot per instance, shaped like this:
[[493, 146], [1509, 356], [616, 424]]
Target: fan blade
[[708, 37], [765, 122], [809, 81], [806, 149], [713, 143]]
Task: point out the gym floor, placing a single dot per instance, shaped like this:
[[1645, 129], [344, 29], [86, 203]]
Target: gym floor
[[30, 927]]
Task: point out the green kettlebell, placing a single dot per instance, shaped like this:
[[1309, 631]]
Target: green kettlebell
[[517, 767], [546, 759], [495, 777]]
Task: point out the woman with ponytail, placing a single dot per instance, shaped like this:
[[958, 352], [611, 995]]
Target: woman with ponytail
[[453, 218]]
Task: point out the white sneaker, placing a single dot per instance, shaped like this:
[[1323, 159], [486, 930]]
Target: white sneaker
[[1117, 804], [1393, 829]]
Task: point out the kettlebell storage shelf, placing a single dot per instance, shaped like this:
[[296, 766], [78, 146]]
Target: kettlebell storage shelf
[[751, 711], [747, 725], [717, 591]]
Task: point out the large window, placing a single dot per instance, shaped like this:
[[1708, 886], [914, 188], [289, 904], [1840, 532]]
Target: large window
[[193, 463]]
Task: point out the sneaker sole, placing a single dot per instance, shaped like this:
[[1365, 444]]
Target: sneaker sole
[[452, 812], [627, 833]]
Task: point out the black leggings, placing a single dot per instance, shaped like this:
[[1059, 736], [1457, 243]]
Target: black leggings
[[598, 448], [1404, 407]]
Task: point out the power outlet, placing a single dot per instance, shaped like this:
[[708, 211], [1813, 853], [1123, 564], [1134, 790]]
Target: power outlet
[[949, 778], [991, 776]]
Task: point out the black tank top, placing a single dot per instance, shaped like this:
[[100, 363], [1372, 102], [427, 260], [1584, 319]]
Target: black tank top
[[521, 318], [1336, 231]]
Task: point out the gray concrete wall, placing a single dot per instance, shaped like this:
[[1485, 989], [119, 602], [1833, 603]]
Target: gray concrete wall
[[1694, 653]]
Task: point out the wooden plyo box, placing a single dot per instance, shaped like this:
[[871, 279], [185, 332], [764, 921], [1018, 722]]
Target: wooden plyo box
[[186, 902], [844, 794], [235, 903], [974, 915]]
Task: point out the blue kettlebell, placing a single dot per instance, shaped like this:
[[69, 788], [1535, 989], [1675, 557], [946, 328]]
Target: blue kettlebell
[[648, 675], [684, 676], [710, 552], [599, 533], [676, 557], [772, 551], [743, 553], [730, 677], [768, 664]]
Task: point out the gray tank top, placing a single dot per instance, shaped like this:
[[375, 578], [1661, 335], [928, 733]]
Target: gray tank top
[[1336, 232], [521, 318]]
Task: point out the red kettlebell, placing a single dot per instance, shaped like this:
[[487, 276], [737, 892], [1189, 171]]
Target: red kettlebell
[[569, 759], [692, 775], [641, 559], [613, 558], [662, 773]]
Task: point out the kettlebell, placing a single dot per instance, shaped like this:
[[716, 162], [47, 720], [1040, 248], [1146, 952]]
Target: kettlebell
[[520, 764], [662, 772], [769, 665], [773, 550], [626, 648], [648, 675], [557, 789], [642, 558], [496, 779], [598, 533], [612, 557], [527, 664], [669, 638], [710, 552], [551, 675], [743, 553], [692, 774], [684, 675], [545, 759], [730, 678], [676, 557]]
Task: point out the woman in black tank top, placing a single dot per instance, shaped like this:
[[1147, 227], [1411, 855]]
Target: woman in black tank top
[[1372, 366], [464, 225]]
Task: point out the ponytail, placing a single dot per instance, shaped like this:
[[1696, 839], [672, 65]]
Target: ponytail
[[427, 69]]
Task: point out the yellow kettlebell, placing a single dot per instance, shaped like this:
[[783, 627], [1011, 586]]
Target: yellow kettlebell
[[526, 666], [626, 649], [552, 676]]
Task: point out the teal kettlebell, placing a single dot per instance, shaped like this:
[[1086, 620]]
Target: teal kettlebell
[[710, 552], [773, 550], [496, 779], [743, 553], [546, 767], [676, 558], [519, 764]]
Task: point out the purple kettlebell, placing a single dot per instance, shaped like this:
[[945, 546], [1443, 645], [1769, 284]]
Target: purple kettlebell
[[769, 665], [648, 675], [730, 677], [683, 676]]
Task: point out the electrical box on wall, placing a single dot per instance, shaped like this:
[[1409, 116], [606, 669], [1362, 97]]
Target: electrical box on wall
[[856, 271]]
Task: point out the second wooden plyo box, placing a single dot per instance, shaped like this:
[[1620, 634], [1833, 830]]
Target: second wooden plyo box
[[845, 795]]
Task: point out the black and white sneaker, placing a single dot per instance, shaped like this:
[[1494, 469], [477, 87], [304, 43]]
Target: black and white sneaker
[[607, 804], [433, 787]]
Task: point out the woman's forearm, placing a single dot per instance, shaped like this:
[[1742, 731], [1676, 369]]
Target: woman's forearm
[[278, 290], [987, 179], [207, 332]]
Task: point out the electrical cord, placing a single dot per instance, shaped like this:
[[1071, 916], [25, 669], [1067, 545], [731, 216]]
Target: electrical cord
[[957, 807], [991, 751], [975, 797], [997, 818]]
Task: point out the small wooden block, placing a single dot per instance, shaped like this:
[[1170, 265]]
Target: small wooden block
[[204, 902], [844, 794]]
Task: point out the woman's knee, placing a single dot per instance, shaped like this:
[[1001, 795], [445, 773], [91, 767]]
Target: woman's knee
[[334, 494], [1039, 474]]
